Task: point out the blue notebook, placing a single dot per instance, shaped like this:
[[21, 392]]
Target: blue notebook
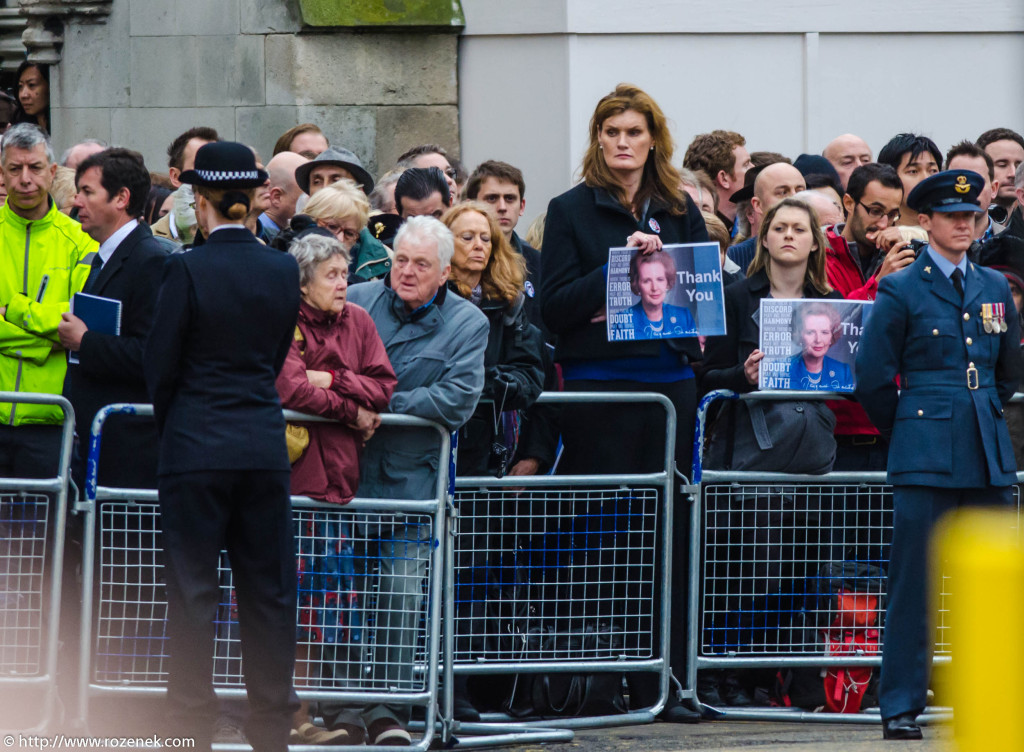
[[101, 315]]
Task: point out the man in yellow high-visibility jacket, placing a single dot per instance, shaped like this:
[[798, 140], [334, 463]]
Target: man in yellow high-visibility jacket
[[45, 258]]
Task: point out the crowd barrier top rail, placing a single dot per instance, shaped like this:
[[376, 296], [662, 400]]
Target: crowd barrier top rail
[[146, 410], [45, 672], [586, 398], [427, 515]]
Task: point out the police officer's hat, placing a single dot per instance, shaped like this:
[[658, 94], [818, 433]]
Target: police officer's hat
[[225, 164], [949, 191]]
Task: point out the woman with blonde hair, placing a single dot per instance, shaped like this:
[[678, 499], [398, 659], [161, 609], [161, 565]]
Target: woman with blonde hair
[[789, 263], [343, 209], [487, 272]]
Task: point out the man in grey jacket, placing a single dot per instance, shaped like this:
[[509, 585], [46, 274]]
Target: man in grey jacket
[[436, 344]]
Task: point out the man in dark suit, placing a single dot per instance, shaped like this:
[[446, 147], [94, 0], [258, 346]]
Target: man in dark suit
[[948, 329], [112, 189], [224, 322]]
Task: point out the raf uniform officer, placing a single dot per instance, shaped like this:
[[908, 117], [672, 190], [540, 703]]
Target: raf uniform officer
[[948, 329]]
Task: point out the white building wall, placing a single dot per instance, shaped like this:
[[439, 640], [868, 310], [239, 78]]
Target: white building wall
[[789, 75]]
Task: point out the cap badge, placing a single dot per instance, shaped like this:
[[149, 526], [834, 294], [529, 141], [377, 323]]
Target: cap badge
[[961, 184]]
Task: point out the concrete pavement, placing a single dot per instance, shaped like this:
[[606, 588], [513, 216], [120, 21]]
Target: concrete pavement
[[744, 736]]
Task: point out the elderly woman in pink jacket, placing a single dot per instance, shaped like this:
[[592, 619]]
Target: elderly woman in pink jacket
[[337, 368]]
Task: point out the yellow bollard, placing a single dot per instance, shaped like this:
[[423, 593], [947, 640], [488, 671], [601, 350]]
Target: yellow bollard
[[982, 552]]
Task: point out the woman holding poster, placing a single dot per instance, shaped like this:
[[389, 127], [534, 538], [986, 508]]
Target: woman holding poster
[[630, 196], [651, 276], [789, 263], [816, 327]]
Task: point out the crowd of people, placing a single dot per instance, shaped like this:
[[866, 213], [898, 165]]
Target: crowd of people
[[308, 284]]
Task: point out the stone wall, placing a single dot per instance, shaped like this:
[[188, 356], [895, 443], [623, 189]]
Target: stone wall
[[252, 69]]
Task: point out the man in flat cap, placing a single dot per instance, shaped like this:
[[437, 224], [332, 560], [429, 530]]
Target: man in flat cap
[[948, 329]]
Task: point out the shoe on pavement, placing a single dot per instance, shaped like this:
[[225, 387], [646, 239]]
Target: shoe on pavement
[[388, 732], [901, 727]]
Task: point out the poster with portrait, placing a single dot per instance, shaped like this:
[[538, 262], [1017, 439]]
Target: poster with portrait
[[674, 292], [810, 345]]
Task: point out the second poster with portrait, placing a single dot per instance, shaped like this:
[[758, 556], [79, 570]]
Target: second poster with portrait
[[810, 345]]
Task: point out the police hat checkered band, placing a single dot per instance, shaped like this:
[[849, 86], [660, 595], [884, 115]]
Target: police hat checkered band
[[218, 176]]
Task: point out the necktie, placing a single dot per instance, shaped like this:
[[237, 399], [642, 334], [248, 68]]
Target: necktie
[[94, 272], [958, 281]]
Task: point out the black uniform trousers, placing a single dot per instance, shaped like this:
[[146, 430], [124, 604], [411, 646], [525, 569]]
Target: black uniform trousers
[[248, 513], [910, 615]]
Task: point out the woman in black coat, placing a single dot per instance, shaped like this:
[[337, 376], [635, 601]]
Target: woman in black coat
[[630, 196], [224, 322]]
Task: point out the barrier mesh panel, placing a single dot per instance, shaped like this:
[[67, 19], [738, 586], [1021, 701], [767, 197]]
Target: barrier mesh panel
[[556, 574], [776, 555], [362, 605], [23, 551]]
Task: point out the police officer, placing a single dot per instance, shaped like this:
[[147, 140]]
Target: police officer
[[947, 328], [224, 321]]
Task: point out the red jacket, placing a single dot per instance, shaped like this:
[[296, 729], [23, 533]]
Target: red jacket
[[843, 272], [348, 344], [845, 276]]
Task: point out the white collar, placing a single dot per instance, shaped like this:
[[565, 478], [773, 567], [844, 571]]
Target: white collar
[[108, 246], [226, 227]]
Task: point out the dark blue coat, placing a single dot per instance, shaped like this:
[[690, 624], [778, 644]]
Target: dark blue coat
[[110, 366], [224, 322], [942, 432]]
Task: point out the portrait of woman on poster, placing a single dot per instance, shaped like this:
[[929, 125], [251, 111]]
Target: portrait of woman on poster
[[652, 276], [816, 327]]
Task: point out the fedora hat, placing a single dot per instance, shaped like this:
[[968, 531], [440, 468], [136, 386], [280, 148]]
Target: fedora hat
[[342, 158]]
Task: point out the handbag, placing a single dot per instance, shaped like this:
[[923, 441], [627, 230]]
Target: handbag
[[297, 439], [568, 694], [297, 436], [781, 437]]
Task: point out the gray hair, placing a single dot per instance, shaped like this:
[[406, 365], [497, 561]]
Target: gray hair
[[87, 142], [818, 201], [381, 199], [26, 136], [1018, 177], [311, 251], [420, 229]]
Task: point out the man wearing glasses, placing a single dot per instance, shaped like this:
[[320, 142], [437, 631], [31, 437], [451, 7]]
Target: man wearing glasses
[[862, 251]]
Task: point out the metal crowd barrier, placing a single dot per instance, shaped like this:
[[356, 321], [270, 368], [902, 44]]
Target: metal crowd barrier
[[359, 643], [33, 513], [559, 574], [757, 553]]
